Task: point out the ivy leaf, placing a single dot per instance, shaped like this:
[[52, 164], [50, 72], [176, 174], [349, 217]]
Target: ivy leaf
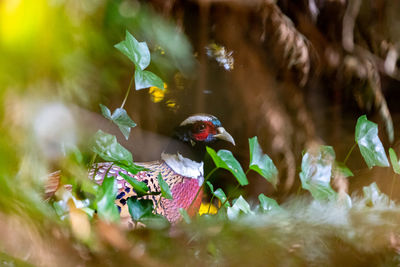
[[239, 206], [225, 160], [210, 186], [120, 118], [220, 194], [132, 168], [165, 191], [369, 143], [137, 52], [107, 147], [185, 215], [106, 112], [373, 196], [394, 161], [140, 208], [140, 188], [105, 200], [154, 221], [261, 163], [268, 204], [146, 79], [316, 171], [342, 170]]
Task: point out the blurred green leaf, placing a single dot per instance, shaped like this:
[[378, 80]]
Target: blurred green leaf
[[185, 215], [342, 169], [220, 194], [107, 147], [140, 188], [261, 163], [369, 143], [105, 200], [120, 118], [132, 168], [210, 186], [154, 221], [106, 112], [394, 160], [239, 206], [316, 171], [268, 204], [146, 79], [225, 160], [165, 191], [137, 52], [373, 196], [9, 261], [140, 208]]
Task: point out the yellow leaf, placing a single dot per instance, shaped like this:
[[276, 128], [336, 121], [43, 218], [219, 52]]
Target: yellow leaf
[[157, 94], [207, 208]]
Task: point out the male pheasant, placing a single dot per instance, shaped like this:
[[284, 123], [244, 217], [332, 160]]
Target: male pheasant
[[181, 166]]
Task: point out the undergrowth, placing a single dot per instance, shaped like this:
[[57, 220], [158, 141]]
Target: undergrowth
[[81, 226]]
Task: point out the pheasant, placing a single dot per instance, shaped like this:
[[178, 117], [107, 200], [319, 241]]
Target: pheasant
[[180, 165]]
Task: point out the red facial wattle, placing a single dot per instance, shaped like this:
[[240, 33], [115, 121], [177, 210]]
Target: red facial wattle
[[202, 131]]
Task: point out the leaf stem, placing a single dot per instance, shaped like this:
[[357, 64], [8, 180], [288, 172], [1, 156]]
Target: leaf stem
[[349, 153], [204, 182], [127, 92], [209, 206], [228, 197]]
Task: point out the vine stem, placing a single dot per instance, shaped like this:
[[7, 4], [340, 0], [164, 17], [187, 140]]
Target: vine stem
[[209, 206], [227, 198], [234, 190], [127, 92], [204, 182], [349, 153]]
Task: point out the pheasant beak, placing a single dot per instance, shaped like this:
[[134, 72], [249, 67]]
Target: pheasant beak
[[224, 135]]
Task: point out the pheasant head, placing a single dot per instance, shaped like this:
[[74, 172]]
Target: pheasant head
[[195, 133]]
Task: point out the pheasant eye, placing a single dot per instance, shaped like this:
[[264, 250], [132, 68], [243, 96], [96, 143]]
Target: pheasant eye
[[199, 127]]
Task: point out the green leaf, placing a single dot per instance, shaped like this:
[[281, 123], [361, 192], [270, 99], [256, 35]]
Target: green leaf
[[154, 221], [140, 188], [123, 121], [369, 143], [165, 191], [220, 194], [185, 215], [120, 118], [316, 171], [239, 206], [146, 79], [268, 204], [340, 169], [107, 147], [210, 186], [140, 208], [373, 196], [105, 200], [225, 160], [105, 112], [137, 52], [261, 163], [394, 161], [132, 168]]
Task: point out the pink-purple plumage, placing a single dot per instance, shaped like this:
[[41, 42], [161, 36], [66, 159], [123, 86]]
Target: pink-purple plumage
[[183, 189]]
